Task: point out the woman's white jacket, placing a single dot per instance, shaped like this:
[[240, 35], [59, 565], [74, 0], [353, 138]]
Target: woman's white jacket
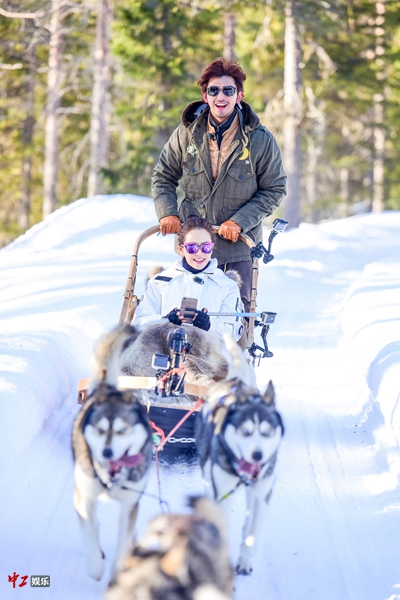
[[212, 288]]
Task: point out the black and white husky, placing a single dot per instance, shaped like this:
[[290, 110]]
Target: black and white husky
[[238, 435], [112, 444]]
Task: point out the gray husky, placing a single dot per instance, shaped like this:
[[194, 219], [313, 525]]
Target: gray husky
[[238, 435], [180, 557], [112, 444]]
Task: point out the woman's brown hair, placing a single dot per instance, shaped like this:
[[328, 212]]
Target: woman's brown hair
[[195, 222], [218, 68]]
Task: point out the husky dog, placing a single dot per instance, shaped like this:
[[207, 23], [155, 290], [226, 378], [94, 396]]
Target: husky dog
[[204, 365], [180, 557], [112, 444], [237, 437]]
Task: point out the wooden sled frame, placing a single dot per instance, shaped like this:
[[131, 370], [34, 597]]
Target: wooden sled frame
[[129, 304]]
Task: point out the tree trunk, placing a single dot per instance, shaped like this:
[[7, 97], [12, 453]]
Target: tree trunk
[[311, 180], [24, 207], [229, 35], [315, 147], [98, 126], [379, 147], [53, 103], [379, 132], [164, 129], [344, 192], [293, 113]]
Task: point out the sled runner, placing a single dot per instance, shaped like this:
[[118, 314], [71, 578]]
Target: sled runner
[[169, 399]]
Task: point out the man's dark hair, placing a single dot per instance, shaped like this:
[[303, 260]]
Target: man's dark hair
[[218, 68], [195, 222]]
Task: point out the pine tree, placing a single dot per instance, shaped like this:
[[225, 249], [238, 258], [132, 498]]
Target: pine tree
[[163, 46], [292, 103]]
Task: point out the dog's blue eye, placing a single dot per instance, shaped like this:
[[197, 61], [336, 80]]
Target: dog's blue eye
[[121, 431], [245, 432], [267, 432], [100, 430]]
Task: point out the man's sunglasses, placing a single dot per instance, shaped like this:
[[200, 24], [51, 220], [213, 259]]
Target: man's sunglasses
[[193, 247], [227, 90]]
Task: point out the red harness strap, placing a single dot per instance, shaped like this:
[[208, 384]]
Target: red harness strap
[[164, 438], [158, 430], [178, 371]]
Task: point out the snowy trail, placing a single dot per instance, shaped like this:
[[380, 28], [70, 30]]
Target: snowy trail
[[332, 528], [340, 545]]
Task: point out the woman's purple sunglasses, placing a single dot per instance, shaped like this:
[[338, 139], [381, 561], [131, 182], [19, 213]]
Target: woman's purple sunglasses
[[193, 247]]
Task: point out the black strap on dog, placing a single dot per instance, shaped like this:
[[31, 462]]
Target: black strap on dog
[[231, 492]]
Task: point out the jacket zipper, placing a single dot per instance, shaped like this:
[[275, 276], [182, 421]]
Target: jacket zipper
[[218, 160], [201, 160], [231, 151]]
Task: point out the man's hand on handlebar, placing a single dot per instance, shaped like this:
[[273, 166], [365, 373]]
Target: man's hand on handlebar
[[229, 230], [170, 225]]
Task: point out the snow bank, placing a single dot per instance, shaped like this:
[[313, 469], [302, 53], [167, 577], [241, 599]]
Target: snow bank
[[371, 324], [61, 286]]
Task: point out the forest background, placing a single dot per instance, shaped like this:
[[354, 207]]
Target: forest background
[[91, 90]]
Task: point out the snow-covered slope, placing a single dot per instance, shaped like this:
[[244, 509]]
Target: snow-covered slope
[[333, 527]]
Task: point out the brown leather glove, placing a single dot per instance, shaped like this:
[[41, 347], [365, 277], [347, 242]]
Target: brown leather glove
[[170, 225], [230, 230]]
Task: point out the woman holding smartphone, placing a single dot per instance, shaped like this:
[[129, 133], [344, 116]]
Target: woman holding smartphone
[[193, 277]]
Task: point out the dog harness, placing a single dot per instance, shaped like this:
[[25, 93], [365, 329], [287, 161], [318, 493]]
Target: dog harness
[[245, 480]]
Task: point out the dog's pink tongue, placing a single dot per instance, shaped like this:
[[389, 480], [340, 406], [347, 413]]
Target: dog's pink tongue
[[126, 461], [252, 469]]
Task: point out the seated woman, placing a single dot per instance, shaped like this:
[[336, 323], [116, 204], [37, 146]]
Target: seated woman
[[194, 275]]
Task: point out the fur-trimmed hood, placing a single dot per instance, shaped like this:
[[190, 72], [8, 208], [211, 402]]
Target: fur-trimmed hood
[[153, 272]]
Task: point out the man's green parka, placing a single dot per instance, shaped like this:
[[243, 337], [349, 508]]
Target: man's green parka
[[250, 185]]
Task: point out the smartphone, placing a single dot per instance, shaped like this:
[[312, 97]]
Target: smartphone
[[188, 309]]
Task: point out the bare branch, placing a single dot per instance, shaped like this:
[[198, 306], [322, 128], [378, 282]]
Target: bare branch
[[41, 13], [74, 110], [11, 67], [13, 15], [70, 12]]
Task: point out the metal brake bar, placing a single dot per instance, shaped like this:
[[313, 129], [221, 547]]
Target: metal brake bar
[[265, 316], [235, 314]]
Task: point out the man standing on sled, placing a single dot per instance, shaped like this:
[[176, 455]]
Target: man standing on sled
[[230, 166]]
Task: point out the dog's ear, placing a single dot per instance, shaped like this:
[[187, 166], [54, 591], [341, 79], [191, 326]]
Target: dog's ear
[[269, 395], [219, 418]]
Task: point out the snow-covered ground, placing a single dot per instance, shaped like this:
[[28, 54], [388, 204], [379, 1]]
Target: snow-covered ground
[[333, 528]]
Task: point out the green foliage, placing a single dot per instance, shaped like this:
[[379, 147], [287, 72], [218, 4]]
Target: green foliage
[[163, 45], [23, 97]]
